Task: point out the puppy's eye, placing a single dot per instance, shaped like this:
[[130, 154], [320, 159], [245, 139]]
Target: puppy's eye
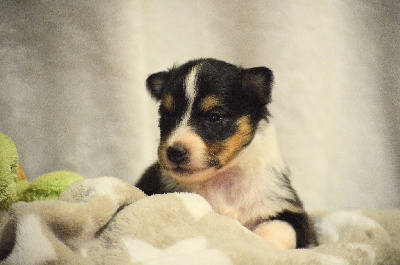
[[213, 117]]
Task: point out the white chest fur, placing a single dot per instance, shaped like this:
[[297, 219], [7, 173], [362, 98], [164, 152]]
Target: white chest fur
[[252, 186]]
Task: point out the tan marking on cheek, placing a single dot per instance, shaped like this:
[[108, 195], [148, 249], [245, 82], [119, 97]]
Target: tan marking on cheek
[[278, 233], [226, 150], [168, 102], [209, 103]]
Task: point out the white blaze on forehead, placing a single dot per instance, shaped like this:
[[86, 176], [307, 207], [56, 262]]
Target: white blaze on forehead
[[190, 85], [190, 92], [183, 133]]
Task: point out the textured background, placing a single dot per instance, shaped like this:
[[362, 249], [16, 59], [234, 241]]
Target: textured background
[[72, 90]]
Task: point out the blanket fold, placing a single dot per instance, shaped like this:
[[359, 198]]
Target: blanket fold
[[108, 221]]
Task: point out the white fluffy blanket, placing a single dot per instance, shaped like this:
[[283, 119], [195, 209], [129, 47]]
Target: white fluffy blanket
[[107, 221]]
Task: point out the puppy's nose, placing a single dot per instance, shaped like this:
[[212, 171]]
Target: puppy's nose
[[177, 154]]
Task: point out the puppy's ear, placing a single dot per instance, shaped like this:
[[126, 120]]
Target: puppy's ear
[[155, 84], [259, 80]]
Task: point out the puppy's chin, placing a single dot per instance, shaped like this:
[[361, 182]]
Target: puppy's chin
[[187, 176]]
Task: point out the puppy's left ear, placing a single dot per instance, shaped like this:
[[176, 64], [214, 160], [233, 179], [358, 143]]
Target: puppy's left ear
[[155, 84], [259, 80]]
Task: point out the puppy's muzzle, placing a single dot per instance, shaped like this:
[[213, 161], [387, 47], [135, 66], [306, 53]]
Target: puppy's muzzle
[[178, 154]]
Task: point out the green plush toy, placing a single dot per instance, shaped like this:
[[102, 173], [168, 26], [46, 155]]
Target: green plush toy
[[8, 172], [49, 186], [14, 186]]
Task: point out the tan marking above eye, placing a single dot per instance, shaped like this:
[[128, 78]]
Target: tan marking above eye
[[168, 102], [209, 102]]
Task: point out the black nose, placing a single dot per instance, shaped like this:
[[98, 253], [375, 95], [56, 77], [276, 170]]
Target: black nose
[[177, 154]]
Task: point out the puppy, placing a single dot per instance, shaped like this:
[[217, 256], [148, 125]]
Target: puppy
[[217, 140]]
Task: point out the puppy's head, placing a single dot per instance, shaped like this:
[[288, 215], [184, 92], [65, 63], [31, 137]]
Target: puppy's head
[[209, 112]]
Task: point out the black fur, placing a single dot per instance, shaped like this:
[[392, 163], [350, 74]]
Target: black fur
[[150, 182], [243, 93], [305, 235], [247, 91]]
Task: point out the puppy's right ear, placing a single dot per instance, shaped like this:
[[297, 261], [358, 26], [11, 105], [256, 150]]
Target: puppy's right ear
[[155, 84], [259, 80]]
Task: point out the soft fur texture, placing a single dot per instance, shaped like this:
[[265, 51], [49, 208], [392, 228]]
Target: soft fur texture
[[217, 140]]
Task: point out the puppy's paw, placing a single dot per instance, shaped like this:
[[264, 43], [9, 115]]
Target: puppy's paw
[[280, 234]]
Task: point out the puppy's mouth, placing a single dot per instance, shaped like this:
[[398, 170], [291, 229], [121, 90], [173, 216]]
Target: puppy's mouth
[[186, 174], [185, 170]]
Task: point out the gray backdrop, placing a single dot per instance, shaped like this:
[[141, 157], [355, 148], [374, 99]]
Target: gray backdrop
[[72, 92]]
